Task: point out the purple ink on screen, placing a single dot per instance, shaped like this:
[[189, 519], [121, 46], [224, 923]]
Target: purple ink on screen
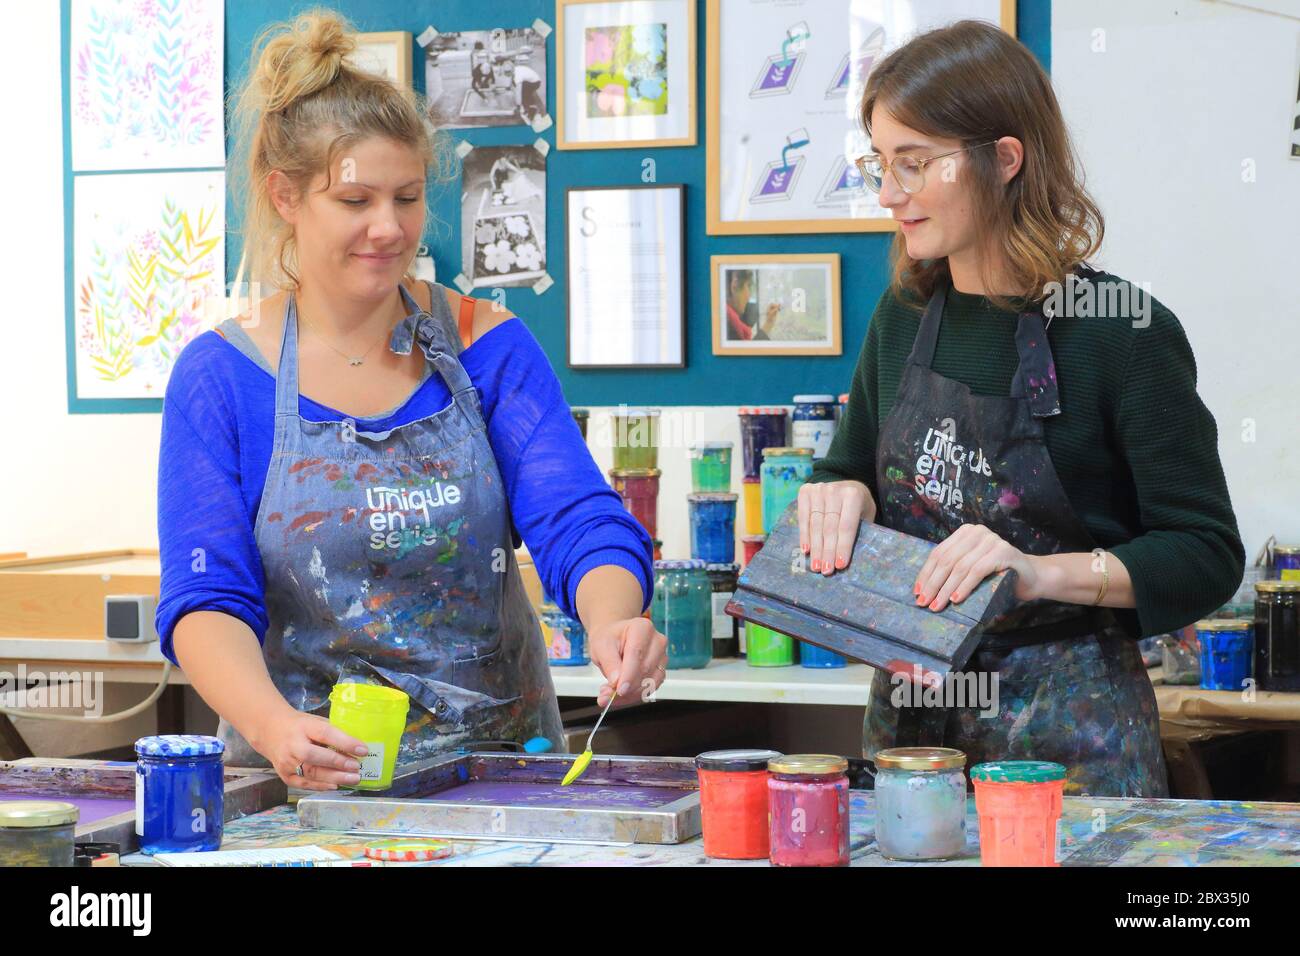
[[777, 76], [574, 796], [92, 809]]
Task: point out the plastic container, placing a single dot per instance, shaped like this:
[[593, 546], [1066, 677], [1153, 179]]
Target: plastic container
[[767, 648], [784, 471], [179, 793], [682, 610], [1286, 562], [813, 423], [1019, 807], [711, 466], [39, 832], [713, 527], [581, 416], [1227, 653], [1180, 658], [808, 808], [760, 428], [565, 638], [733, 803], [751, 491], [639, 489], [1277, 635], [377, 717], [812, 656], [751, 544], [920, 803], [636, 438], [726, 629]]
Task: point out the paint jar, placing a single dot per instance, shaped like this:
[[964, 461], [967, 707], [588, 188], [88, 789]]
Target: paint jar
[[784, 470], [713, 527], [658, 550], [808, 810], [581, 416], [565, 638], [810, 655], [751, 490], [1227, 653], [38, 832], [1286, 562], [179, 793], [920, 803], [1277, 635], [760, 428], [682, 611], [841, 405], [636, 438], [733, 803], [711, 466], [767, 648], [1019, 807], [722, 579], [751, 544], [1242, 604], [813, 423], [376, 716], [639, 489]]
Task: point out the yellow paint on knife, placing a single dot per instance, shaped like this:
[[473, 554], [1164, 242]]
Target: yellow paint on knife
[[581, 763]]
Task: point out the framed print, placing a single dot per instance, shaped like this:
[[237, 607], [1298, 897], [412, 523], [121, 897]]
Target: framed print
[[626, 265], [783, 85], [625, 73], [776, 305], [478, 78], [503, 217], [385, 54]]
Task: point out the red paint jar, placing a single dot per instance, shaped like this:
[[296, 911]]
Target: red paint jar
[[733, 803], [808, 810], [753, 543], [639, 489]]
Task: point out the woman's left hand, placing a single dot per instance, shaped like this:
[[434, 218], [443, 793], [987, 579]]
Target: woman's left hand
[[632, 655], [964, 559]]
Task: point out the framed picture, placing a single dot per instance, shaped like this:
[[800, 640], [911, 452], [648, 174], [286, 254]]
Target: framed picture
[[503, 216], [784, 81], [478, 78], [626, 285], [625, 73], [385, 54], [776, 305]]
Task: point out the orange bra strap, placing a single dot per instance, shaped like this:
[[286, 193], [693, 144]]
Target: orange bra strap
[[467, 320]]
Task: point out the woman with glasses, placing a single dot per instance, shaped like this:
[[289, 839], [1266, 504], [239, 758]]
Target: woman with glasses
[[1026, 413]]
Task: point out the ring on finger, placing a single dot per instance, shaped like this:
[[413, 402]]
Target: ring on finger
[[300, 772]]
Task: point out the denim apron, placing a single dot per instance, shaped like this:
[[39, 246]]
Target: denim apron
[[1071, 685], [388, 560]]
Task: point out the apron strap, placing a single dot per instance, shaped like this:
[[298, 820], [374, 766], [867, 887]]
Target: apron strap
[[286, 376], [927, 336], [438, 335]]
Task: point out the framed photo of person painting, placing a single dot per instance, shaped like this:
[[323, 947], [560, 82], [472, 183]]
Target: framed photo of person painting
[[776, 305], [625, 73]]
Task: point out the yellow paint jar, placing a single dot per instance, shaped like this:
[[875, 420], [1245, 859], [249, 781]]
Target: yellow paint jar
[[752, 507], [376, 716]]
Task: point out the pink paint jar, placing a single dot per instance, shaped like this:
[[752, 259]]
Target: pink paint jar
[[639, 489], [808, 810]]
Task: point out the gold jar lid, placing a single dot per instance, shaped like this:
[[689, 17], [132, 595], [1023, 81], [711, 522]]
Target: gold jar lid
[[1223, 624], [920, 758], [1273, 587], [1288, 549], [786, 451], [635, 472], [808, 763], [37, 813]]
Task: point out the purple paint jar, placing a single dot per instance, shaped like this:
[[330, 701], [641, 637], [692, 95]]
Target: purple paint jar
[[760, 428]]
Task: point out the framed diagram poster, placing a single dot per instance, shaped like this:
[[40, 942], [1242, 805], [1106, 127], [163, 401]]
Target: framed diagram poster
[[784, 81]]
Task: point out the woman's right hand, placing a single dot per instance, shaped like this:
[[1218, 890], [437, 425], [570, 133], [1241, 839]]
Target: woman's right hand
[[293, 739], [829, 513]]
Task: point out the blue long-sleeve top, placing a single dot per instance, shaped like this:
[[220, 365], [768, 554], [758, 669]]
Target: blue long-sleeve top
[[217, 431]]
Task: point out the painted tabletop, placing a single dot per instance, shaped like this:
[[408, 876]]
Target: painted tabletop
[[1095, 831]]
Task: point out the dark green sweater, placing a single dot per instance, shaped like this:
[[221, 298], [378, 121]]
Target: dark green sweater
[[1134, 446]]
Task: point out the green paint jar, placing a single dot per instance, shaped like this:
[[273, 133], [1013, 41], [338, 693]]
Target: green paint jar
[[767, 648], [636, 438], [682, 610], [711, 467]]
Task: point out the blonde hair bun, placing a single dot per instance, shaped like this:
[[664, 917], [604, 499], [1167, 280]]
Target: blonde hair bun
[[305, 58]]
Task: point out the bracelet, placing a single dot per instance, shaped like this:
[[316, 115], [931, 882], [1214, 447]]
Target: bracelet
[[1105, 575]]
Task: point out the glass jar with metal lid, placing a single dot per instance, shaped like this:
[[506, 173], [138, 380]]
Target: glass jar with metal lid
[[1277, 635], [808, 810], [1286, 562], [733, 803], [682, 610], [636, 437], [920, 803], [783, 472], [37, 832], [813, 423], [1227, 653]]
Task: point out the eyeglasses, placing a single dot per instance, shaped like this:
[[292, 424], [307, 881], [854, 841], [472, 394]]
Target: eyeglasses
[[908, 171]]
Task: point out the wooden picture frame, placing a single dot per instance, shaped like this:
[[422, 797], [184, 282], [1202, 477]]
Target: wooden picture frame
[[684, 77], [391, 50], [828, 296]]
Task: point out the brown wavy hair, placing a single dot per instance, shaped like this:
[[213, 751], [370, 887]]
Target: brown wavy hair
[[301, 105], [972, 82]]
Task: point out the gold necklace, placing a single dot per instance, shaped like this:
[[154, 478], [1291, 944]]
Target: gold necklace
[[352, 359]]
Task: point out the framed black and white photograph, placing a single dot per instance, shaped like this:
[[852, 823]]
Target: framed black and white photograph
[[625, 249], [625, 73], [776, 305], [481, 78], [503, 215]]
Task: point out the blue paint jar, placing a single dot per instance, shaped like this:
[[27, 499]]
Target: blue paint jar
[[713, 526], [810, 655], [784, 470], [813, 423], [760, 428], [1286, 563], [565, 638], [682, 611], [920, 803], [179, 793], [1227, 653]]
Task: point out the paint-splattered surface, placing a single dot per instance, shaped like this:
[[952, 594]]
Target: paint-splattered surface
[[508, 793], [1095, 832]]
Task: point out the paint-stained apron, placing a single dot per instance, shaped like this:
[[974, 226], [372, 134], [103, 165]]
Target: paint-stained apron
[[388, 560], [1071, 685]]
